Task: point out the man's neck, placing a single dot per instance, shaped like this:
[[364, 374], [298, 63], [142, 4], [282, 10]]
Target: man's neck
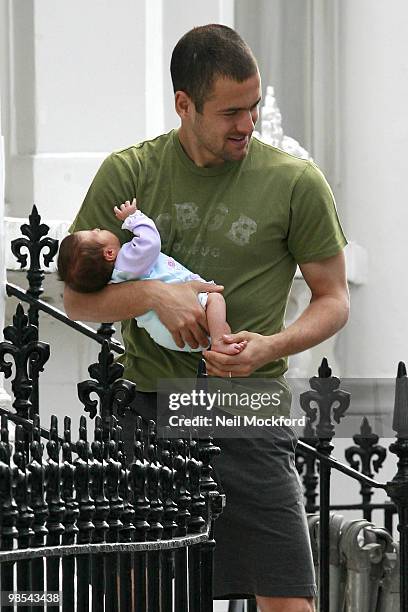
[[194, 152]]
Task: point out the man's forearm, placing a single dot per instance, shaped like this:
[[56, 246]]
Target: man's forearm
[[323, 317], [115, 302]]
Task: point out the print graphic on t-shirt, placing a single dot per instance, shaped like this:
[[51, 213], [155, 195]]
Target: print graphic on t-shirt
[[218, 218], [187, 216], [241, 230], [199, 248]]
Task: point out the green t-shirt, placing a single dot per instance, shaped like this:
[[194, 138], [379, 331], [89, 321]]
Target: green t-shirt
[[243, 224]]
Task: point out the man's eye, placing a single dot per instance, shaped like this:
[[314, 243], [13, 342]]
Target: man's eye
[[230, 113]]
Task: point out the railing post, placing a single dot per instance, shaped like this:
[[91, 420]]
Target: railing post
[[39, 505], [215, 502], [35, 242], [108, 386], [183, 500], [365, 450], [8, 510], [85, 517], [138, 479], [29, 355], [325, 393], [306, 467], [71, 516], [397, 488], [25, 513], [56, 506]]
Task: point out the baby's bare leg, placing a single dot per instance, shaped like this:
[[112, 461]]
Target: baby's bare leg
[[218, 326]]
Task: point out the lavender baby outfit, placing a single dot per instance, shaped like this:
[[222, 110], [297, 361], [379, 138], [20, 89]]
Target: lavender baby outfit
[[141, 259]]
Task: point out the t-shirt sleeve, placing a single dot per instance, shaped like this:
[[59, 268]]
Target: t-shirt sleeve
[[115, 182], [315, 231]]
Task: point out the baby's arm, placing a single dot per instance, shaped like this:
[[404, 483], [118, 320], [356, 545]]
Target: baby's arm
[[139, 254]]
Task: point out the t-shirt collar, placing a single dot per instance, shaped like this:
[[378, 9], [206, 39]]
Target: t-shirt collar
[[227, 166]]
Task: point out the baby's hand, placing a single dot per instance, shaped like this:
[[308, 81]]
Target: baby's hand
[[126, 209]]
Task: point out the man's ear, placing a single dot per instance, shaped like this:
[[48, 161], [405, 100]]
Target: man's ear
[[183, 104], [109, 254]]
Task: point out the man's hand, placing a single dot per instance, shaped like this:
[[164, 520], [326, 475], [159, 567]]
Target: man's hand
[[123, 211], [258, 351], [179, 310]]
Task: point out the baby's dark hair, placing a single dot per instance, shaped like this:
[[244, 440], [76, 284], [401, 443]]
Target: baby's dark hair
[[82, 266]]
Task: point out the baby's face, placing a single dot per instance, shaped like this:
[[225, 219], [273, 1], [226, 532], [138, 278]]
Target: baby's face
[[106, 239]]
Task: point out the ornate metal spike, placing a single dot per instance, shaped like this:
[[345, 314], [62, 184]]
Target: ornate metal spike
[[327, 395], [4, 435], [112, 476], [22, 490], [397, 488], [360, 457], [324, 369], [128, 514], [82, 486], [29, 355], [183, 498], [366, 449], [35, 242], [400, 419], [8, 508], [207, 450], [167, 474], [198, 506], [56, 506], [37, 479], [113, 392], [67, 491], [153, 482], [97, 472], [402, 370], [138, 483]]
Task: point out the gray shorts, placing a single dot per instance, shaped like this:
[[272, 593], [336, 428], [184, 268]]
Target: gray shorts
[[262, 538]]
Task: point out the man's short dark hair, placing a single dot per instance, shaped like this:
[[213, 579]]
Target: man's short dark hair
[[205, 53], [81, 264]]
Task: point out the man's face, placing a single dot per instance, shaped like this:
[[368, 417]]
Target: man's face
[[223, 130]]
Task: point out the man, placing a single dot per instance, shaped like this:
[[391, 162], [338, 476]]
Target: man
[[244, 214]]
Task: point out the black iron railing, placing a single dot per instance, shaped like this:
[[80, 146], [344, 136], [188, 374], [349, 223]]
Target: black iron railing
[[143, 533], [78, 516]]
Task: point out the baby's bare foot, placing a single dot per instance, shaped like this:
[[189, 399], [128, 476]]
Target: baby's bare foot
[[228, 349]]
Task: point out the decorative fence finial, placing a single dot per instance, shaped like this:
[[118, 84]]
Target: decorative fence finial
[[29, 355], [35, 242], [325, 393], [400, 420], [112, 390]]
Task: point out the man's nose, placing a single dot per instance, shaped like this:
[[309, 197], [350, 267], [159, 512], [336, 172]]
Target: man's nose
[[246, 122]]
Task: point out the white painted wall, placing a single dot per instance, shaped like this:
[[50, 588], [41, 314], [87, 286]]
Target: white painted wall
[[374, 188], [81, 80]]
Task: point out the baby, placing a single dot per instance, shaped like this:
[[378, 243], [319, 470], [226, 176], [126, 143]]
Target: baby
[[90, 259]]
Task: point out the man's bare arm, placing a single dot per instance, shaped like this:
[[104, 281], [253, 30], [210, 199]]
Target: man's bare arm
[[175, 304], [326, 314]]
